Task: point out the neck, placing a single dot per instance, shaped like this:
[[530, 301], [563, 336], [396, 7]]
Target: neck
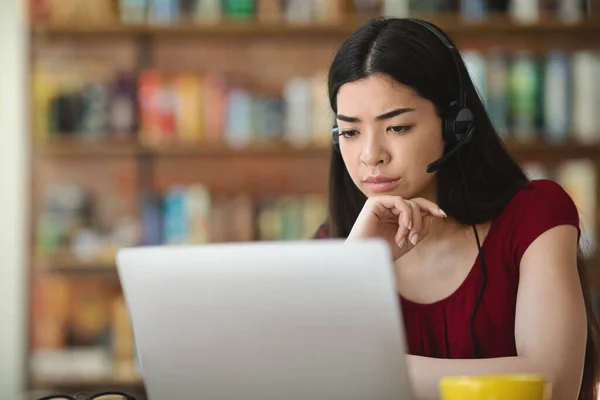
[[440, 228]]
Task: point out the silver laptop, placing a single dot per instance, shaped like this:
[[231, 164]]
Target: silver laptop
[[308, 320]]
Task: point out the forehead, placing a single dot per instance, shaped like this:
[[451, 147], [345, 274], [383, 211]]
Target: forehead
[[373, 96]]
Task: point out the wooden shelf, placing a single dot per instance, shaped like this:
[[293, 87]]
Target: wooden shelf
[[453, 24], [70, 148], [83, 383], [547, 151], [66, 263]]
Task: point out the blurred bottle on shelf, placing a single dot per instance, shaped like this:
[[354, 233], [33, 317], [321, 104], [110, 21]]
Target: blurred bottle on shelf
[[586, 100], [477, 68], [97, 12], [497, 92], [299, 11], [557, 89], [329, 11], [579, 179], [571, 11], [269, 11], [368, 7], [239, 9], [122, 107], [525, 11], [536, 170], [298, 112], [524, 95], [473, 10], [133, 11], [430, 7], [163, 11], [395, 8], [208, 11]]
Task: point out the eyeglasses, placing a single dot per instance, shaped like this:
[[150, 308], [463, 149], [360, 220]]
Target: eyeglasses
[[97, 396]]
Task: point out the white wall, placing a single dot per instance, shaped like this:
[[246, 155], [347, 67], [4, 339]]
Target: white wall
[[13, 197]]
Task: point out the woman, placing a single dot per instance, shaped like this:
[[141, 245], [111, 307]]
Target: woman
[[515, 307]]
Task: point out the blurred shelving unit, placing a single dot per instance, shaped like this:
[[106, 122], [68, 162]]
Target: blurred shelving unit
[[166, 172]]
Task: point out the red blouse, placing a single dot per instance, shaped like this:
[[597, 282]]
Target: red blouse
[[442, 329]]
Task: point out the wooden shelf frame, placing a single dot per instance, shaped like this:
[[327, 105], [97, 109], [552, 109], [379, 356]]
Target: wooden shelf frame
[[494, 24], [72, 148]]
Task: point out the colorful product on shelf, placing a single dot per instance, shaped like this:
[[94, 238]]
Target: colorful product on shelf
[[268, 11], [497, 93], [557, 89], [163, 11], [160, 12], [524, 95], [477, 68], [133, 11], [525, 11], [586, 96], [208, 11], [579, 179], [239, 9], [371, 7], [192, 215], [395, 8], [299, 11], [473, 10]]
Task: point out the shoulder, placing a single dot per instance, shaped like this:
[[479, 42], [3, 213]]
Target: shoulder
[[544, 193], [541, 199], [537, 207]]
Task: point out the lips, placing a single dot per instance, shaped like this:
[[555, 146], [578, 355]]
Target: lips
[[381, 184]]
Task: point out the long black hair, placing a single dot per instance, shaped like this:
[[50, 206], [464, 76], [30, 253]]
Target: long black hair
[[413, 56]]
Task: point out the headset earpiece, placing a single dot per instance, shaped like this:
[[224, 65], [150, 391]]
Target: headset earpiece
[[456, 123], [335, 137]]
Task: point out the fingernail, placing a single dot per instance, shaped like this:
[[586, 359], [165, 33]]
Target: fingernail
[[401, 243], [443, 213], [410, 225], [414, 239]]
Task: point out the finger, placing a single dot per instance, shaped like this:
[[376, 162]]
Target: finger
[[413, 236], [429, 207], [404, 221], [381, 205]]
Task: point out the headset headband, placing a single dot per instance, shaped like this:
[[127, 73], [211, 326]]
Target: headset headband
[[462, 95]]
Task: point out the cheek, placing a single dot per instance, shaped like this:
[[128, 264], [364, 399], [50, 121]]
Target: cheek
[[351, 157]]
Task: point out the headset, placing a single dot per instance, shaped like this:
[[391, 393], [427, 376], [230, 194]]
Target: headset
[[458, 128]]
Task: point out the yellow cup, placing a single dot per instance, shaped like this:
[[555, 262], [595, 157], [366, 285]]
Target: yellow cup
[[495, 387]]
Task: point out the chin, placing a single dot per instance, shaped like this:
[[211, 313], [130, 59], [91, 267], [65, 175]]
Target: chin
[[394, 192]]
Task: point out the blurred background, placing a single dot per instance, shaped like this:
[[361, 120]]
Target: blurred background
[[143, 122]]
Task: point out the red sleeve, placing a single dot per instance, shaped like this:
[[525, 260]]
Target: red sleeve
[[542, 205]]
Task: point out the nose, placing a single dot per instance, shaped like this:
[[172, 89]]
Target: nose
[[374, 151]]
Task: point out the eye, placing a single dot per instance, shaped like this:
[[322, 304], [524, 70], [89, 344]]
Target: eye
[[348, 133], [400, 128]]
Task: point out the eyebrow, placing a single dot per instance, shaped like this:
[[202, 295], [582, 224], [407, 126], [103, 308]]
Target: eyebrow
[[387, 115]]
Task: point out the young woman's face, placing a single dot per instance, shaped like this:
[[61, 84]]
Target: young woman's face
[[388, 136]]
